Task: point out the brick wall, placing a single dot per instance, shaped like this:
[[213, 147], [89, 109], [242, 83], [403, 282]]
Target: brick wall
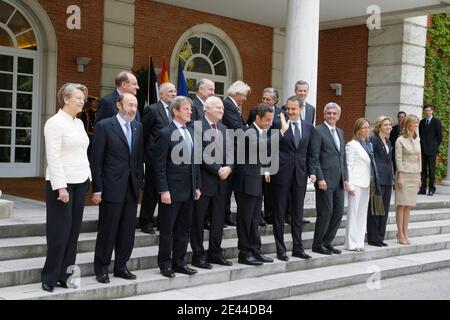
[[343, 59], [86, 42], [159, 26]]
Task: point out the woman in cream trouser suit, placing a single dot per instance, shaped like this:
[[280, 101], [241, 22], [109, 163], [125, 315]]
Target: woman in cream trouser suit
[[358, 166]]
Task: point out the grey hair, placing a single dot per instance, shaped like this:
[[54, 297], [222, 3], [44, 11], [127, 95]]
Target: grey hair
[[300, 83], [212, 101], [273, 92], [67, 90], [165, 86], [178, 101], [202, 82], [238, 87], [121, 77], [332, 105]]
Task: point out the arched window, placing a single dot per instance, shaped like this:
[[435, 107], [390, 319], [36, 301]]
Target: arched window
[[15, 31], [204, 57]]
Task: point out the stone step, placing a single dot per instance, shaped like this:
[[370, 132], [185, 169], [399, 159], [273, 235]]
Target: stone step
[[425, 253], [282, 285], [30, 247], [23, 271]]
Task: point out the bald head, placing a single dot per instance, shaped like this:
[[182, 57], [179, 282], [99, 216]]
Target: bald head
[[205, 89], [127, 106], [126, 82]]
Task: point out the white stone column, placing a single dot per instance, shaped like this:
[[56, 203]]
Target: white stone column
[[444, 188], [301, 47]]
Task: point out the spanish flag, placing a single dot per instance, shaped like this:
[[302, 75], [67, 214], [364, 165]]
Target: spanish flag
[[164, 73]]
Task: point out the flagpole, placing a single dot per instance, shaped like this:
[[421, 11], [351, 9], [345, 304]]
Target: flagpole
[[148, 79]]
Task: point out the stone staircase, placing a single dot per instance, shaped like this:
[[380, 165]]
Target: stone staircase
[[23, 246]]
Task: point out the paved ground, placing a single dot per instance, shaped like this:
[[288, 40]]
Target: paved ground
[[433, 285]]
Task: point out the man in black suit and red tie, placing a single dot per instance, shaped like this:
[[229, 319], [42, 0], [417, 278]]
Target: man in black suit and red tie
[[296, 162], [430, 131], [125, 82], [178, 185], [117, 158]]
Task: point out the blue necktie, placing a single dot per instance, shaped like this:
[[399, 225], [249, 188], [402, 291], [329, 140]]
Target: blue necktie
[[128, 134], [297, 134], [428, 122]]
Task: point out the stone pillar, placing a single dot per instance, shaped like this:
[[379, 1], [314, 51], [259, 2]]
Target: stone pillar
[[301, 47], [396, 68], [444, 188]]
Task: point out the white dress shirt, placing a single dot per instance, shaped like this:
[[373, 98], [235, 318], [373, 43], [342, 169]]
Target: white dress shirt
[[66, 144]]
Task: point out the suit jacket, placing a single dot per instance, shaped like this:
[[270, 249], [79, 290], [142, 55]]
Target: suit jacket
[[197, 109], [180, 179], [276, 122], [211, 183], [154, 120], [358, 165], [296, 162], [383, 160], [107, 107], [247, 176], [408, 156], [331, 165], [232, 118], [112, 163], [430, 136]]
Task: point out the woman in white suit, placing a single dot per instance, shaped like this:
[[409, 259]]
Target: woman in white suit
[[358, 166], [67, 176]]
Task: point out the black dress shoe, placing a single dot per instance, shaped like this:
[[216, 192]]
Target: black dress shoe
[[207, 225], [125, 274], [322, 250], [47, 288], [168, 273], [185, 270], [304, 221], [282, 257], [301, 255], [384, 244], [333, 249], [422, 192], [251, 261], [228, 222], [220, 260], [202, 264], [263, 258], [375, 244], [148, 230], [102, 278]]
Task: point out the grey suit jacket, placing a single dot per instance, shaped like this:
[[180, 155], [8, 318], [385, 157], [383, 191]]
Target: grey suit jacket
[[310, 113]]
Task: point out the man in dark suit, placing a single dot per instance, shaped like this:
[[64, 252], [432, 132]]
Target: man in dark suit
[[248, 187], [430, 131], [125, 82], [178, 184], [332, 180], [117, 157], [205, 89], [395, 133], [156, 117], [215, 168], [232, 119], [296, 163], [302, 91]]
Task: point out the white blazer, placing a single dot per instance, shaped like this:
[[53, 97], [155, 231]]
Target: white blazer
[[66, 144], [358, 165]]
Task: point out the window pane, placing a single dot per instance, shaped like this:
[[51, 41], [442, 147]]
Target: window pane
[[27, 41], [6, 81], [5, 118], [220, 88], [195, 44], [216, 55], [25, 83], [23, 119], [25, 65], [22, 155], [191, 84], [6, 63], [5, 12], [206, 46], [18, 23], [199, 65], [221, 69], [5, 39], [5, 154], [24, 101], [6, 100], [23, 137], [185, 53], [5, 136]]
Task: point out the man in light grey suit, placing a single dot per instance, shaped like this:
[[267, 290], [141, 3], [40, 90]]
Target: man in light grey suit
[[332, 180]]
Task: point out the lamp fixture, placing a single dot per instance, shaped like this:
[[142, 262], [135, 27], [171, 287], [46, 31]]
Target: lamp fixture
[[82, 62]]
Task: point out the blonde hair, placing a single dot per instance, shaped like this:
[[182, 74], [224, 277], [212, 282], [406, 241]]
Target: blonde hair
[[358, 125], [379, 122], [67, 90], [407, 122]]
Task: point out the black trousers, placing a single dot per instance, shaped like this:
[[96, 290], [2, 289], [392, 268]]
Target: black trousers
[[268, 201], [247, 223], [175, 221], [63, 225], [330, 208], [116, 228], [376, 225], [228, 193], [428, 170], [297, 199], [149, 199], [214, 207]]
